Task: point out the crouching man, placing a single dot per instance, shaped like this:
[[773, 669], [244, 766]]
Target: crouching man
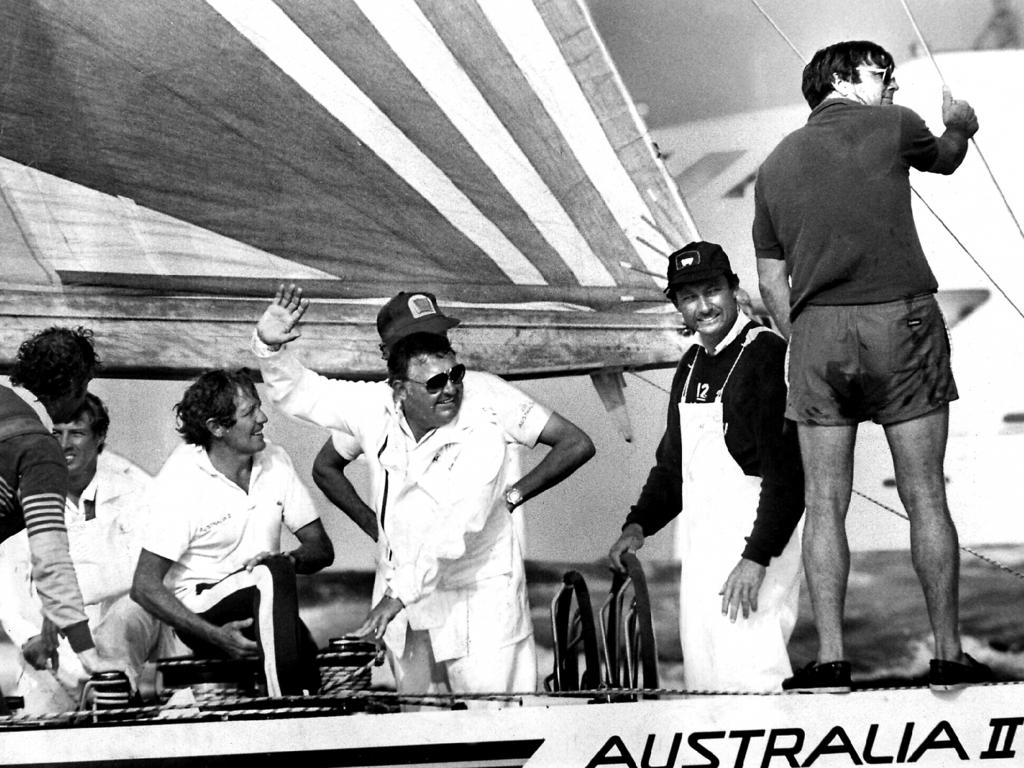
[[218, 507]]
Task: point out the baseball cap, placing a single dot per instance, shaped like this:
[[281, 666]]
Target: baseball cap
[[409, 313], [695, 262]]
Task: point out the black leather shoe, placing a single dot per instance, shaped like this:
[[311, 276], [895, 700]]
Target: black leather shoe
[[952, 676], [833, 677]]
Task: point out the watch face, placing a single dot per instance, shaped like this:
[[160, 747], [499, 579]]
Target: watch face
[[513, 496]]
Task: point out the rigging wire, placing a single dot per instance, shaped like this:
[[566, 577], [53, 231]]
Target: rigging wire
[[970, 255], [963, 547], [931, 210], [778, 29], [981, 155], [775, 26]]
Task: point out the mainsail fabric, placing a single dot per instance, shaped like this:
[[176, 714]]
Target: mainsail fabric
[[163, 160]]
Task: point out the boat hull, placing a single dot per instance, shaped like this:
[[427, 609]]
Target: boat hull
[[894, 727]]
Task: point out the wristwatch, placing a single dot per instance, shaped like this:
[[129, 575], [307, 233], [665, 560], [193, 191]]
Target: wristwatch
[[513, 498]]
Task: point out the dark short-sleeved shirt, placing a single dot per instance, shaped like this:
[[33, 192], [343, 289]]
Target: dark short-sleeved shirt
[[833, 200]]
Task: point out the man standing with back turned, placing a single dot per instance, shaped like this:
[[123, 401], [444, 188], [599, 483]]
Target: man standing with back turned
[[844, 275]]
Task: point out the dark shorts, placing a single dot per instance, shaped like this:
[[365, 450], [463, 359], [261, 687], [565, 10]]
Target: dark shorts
[[881, 362]]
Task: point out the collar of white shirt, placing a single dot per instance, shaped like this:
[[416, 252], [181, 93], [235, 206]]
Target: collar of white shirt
[[730, 337]]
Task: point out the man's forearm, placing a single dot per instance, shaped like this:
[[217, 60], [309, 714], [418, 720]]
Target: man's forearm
[[329, 476], [571, 448], [315, 550], [774, 285], [310, 559], [156, 599], [952, 146]]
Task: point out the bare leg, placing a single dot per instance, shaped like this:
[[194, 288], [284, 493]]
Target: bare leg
[[918, 450], [827, 454]]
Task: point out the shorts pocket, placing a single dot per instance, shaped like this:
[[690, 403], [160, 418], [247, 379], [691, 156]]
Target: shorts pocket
[[917, 336]]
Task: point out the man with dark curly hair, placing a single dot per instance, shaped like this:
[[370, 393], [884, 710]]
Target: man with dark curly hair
[[55, 365], [217, 510]]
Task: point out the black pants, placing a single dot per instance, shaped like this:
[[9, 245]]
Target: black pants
[[268, 596]]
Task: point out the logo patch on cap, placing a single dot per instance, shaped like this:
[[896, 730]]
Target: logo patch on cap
[[421, 306], [686, 259]]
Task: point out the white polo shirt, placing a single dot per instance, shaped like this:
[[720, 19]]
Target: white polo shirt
[[210, 526]]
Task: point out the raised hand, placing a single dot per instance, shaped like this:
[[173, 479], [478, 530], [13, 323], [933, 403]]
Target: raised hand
[[958, 115], [279, 323]]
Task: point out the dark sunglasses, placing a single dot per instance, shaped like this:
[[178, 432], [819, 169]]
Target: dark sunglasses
[[438, 381]]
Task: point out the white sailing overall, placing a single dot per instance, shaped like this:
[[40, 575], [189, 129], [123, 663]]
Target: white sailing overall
[[719, 507]]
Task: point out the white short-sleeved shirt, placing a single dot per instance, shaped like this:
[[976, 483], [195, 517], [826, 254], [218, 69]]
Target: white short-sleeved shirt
[[104, 550], [209, 526], [522, 418], [446, 536], [339, 405]]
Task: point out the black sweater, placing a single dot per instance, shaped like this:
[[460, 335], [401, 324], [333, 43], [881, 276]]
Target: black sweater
[[760, 439]]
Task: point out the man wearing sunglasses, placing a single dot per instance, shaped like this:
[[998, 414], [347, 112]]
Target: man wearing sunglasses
[[843, 273], [525, 422], [450, 597]]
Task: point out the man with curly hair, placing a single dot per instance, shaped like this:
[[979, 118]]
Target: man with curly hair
[[55, 365], [217, 510]]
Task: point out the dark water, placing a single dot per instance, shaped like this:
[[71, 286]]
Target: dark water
[[887, 634]]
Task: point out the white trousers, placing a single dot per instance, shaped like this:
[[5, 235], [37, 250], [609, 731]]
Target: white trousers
[[510, 668]]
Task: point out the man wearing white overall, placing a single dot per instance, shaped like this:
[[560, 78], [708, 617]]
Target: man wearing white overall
[[729, 462]]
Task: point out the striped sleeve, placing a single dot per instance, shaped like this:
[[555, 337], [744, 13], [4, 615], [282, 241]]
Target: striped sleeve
[[42, 486]]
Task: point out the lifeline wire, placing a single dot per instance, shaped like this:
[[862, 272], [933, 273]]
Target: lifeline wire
[[988, 168], [931, 210], [963, 548]]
